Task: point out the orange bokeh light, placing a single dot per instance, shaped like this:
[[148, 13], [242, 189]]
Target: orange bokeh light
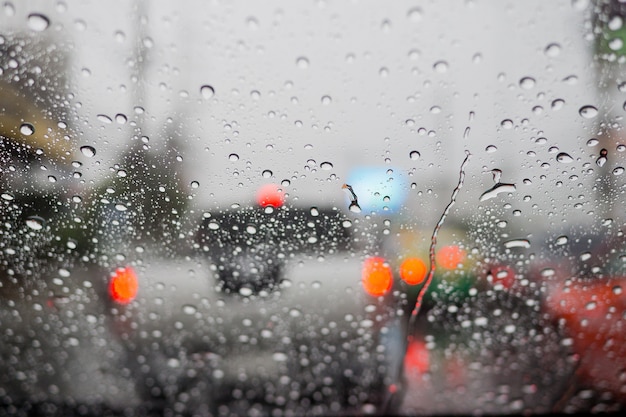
[[124, 285], [270, 195], [413, 271], [449, 257], [376, 276]]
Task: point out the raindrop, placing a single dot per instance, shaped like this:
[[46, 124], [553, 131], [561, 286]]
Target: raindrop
[[440, 67], [602, 158], [585, 256], [354, 207], [517, 243], [414, 14], [279, 357], [497, 174], [593, 142], [214, 225], [616, 23], [251, 229], [88, 151], [570, 80], [38, 22], [194, 184], [27, 129], [552, 50], [233, 157], [527, 83], [588, 112], [207, 91], [491, 149], [497, 189], [267, 173], [7, 196], [302, 62], [561, 240], [617, 290], [189, 309], [564, 158], [120, 207], [314, 212], [558, 104], [326, 166], [414, 155], [121, 118], [104, 118], [507, 124], [255, 94], [35, 222], [326, 100], [618, 171]]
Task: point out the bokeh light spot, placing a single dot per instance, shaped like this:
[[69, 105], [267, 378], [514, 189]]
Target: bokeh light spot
[[449, 257], [376, 276], [413, 271], [124, 285], [270, 195]]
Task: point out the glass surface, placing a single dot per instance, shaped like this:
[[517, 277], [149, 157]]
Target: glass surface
[[312, 208]]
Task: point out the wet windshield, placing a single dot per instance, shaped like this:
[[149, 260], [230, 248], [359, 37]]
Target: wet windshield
[[312, 208]]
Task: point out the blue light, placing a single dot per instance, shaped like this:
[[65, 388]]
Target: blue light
[[378, 189]]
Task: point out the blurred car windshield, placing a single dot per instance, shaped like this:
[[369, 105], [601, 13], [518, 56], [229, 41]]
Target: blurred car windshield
[[312, 208]]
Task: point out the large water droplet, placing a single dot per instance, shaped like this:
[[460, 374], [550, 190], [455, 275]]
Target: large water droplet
[[35, 222], [189, 309], [414, 14], [564, 158], [507, 124], [517, 243], [326, 166], [602, 158], [38, 22], [618, 171], [440, 67], [267, 173], [561, 240], [27, 129], [251, 229], [326, 100], [207, 91], [588, 112], [302, 62], [233, 157], [354, 207], [552, 50], [88, 151], [104, 118], [527, 83], [557, 104], [497, 189], [414, 155]]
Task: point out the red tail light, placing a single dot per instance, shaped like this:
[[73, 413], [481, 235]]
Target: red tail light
[[270, 195], [413, 271], [124, 285]]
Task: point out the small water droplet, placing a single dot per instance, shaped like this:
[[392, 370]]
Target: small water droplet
[[354, 207], [189, 309], [618, 171], [267, 173], [251, 229], [507, 124], [255, 95], [602, 158], [497, 189], [557, 104], [326, 166], [593, 142], [491, 149], [527, 83], [35, 222], [564, 158], [7, 196], [552, 50], [27, 129], [326, 100], [104, 118], [314, 212], [207, 91], [194, 184], [414, 14], [121, 118], [88, 151], [561, 240], [38, 22], [302, 62], [120, 207], [414, 155], [440, 67], [588, 112], [233, 157], [214, 225]]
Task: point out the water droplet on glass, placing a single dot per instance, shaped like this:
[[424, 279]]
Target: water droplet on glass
[[507, 124], [570, 80], [214, 225], [88, 151], [557, 104], [120, 207], [7, 196], [207, 91], [593, 142], [27, 129], [491, 149], [52, 178], [251, 229], [35, 222], [616, 44], [121, 118], [267, 173], [527, 83], [326, 100], [414, 14], [440, 67], [189, 309], [302, 62], [414, 155], [561, 240], [354, 207], [564, 158], [194, 184], [38, 22], [497, 174], [326, 166], [602, 158], [588, 112], [233, 157], [618, 171], [255, 94], [497, 189], [314, 212], [517, 243], [104, 118], [552, 50]]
